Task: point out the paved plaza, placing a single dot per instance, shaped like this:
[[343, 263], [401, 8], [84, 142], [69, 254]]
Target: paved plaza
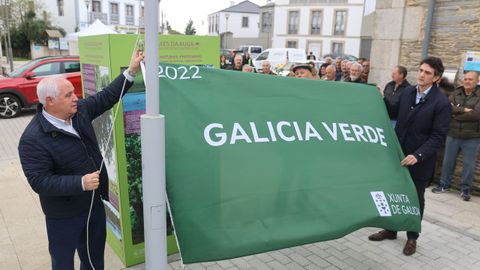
[[450, 237]]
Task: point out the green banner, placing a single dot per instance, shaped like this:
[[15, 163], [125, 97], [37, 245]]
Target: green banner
[[257, 163]]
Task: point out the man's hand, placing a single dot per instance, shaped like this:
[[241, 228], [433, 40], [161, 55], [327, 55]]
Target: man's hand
[[91, 181], [134, 66], [409, 160]]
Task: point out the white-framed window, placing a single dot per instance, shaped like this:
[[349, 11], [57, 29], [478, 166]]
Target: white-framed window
[[340, 22], [293, 21], [292, 44], [266, 22], [316, 22], [245, 22], [337, 48]]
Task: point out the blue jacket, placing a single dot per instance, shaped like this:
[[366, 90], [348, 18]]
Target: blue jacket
[[54, 160], [421, 128]]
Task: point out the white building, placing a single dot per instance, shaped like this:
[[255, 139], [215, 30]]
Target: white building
[[318, 26], [236, 25], [124, 16]]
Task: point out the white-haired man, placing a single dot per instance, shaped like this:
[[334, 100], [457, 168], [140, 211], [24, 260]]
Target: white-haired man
[[356, 70], [330, 73], [267, 68], [61, 159]]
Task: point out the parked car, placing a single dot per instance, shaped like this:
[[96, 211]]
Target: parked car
[[279, 57], [18, 89], [348, 57]]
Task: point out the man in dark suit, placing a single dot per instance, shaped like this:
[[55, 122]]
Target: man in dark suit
[[62, 161], [422, 124]]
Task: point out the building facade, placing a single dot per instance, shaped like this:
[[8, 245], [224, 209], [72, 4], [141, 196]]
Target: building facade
[[123, 16], [237, 25], [319, 26]]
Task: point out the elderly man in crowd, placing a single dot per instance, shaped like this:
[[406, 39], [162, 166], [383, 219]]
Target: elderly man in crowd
[[267, 68], [355, 73], [303, 71], [237, 62], [330, 73], [247, 68], [463, 135]]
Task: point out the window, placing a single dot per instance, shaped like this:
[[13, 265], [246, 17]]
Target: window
[[96, 6], [216, 23], [60, 7], [266, 22], [142, 11], [262, 56], [316, 23], [245, 22], [114, 8], [340, 22], [47, 69], [291, 44], [293, 21], [71, 67], [337, 48], [129, 10]]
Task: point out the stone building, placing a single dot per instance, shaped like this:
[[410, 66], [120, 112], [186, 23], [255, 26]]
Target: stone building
[[398, 33]]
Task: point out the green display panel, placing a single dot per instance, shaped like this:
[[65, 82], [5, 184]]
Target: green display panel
[[102, 59]]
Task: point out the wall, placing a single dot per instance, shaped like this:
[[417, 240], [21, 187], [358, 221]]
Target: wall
[[399, 34]]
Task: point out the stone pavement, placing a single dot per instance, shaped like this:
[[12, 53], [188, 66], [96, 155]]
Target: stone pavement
[[450, 238]]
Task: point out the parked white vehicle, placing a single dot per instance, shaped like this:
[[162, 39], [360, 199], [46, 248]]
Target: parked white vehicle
[[278, 57]]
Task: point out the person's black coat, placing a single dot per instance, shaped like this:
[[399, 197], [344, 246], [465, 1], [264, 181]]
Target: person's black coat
[[392, 97], [54, 160], [421, 128]]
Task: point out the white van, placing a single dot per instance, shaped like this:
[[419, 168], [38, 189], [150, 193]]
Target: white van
[[253, 50], [279, 56]]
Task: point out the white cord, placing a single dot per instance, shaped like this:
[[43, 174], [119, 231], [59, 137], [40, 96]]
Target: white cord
[[103, 161]]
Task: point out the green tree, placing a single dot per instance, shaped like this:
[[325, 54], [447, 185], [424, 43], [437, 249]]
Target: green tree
[[30, 30], [189, 29], [171, 31]]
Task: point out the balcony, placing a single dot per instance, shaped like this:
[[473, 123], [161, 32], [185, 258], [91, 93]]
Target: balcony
[[114, 19]]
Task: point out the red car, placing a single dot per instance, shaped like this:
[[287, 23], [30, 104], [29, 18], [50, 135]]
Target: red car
[[18, 89]]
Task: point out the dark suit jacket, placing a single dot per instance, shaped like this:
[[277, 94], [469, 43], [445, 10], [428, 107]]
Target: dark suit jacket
[[421, 128], [54, 160]]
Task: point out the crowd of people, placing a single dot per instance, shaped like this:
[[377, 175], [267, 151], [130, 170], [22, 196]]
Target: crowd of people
[[340, 70]]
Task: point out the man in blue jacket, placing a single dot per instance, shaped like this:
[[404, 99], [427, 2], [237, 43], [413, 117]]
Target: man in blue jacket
[[61, 159], [422, 124]]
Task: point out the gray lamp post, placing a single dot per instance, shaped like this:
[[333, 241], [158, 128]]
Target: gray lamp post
[[227, 15]]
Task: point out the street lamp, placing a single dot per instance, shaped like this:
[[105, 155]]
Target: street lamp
[[227, 15]]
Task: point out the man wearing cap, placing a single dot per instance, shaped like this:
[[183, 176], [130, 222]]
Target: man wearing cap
[[303, 71]]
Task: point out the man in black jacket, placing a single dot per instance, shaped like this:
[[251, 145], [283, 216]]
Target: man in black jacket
[[61, 159], [463, 135], [393, 91], [422, 124]]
